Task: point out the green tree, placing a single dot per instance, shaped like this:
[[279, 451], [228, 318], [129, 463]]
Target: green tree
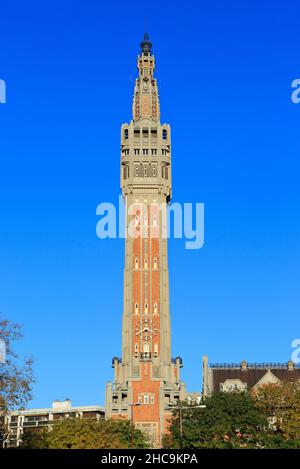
[[229, 420], [281, 402], [16, 375], [86, 434]]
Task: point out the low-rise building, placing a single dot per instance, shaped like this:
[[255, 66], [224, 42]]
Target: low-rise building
[[18, 422]]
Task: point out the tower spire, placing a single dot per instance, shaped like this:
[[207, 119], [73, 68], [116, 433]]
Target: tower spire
[[146, 45]]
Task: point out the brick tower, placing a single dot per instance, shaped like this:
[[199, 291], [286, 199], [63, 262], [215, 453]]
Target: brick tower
[[146, 379]]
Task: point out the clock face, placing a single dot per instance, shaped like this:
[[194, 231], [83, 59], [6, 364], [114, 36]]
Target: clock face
[[146, 329]]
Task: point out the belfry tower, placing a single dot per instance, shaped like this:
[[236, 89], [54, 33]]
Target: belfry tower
[[146, 379]]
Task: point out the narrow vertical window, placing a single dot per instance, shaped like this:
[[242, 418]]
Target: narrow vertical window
[[145, 263], [155, 308], [155, 350], [136, 263], [164, 134], [126, 134], [136, 308], [146, 308], [146, 398]]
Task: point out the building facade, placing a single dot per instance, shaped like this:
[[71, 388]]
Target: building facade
[[18, 422], [245, 376], [146, 378]]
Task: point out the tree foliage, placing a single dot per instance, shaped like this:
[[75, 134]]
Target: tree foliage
[[16, 375], [229, 420], [85, 434], [281, 402]]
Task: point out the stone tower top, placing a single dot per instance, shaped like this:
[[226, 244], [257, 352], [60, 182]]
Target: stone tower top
[[146, 99], [146, 45]]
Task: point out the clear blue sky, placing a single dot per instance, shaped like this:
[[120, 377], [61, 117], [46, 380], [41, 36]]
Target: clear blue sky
[[224, 71]]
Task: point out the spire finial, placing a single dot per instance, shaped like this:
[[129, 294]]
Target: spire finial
[[146, 45]]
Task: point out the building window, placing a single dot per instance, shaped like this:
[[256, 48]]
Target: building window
[[146, 308], [145, 263], [154, 151], [155, 350], [145, 171], [126, 172], [136, 308], [164, 134], [145, 151], [136, 151], [136, 263], [164, 172], [136, 171], [146, 398], [152, 398], [154, 171], [140, 399], [126, 134], [155, 308], [154, 220]]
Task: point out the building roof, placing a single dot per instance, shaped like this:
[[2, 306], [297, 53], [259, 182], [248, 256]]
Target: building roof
[[252, 374], [51, 410]]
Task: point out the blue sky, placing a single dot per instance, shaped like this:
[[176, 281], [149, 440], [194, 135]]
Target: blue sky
[[224, 71]]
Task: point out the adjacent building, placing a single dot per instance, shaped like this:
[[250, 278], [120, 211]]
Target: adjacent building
[[18, 422], [245, 376]]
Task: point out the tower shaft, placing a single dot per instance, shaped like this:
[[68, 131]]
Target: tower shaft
[[146, 378]]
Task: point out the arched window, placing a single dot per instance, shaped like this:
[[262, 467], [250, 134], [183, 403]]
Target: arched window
[[126, 172]]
